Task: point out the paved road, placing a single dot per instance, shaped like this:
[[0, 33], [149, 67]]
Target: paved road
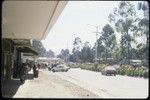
[[83, 83], [107, 86]]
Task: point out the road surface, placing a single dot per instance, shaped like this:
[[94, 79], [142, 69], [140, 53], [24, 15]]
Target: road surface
[[77, 83]]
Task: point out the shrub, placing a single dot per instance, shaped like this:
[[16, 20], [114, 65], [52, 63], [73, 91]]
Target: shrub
[[122, 71], [136, 73], [95, 67], [145, 74], [141, 72], [130, 71]]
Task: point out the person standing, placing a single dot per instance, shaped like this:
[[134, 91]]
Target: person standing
[[34, 69], [23, 72]]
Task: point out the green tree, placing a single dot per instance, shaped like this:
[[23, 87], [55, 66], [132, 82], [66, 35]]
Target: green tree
[[38, 47], [100, 48], [109, 40], [143, 28], [86, 53], [77, 44], [124, 19], [50, 54], [64, 54]]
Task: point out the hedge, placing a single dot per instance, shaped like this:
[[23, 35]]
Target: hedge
[[122, 70]]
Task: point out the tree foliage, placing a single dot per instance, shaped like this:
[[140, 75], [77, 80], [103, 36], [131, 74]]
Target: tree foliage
[[50, 54], [106, 42], [64, 54], [124, 20], [87, 53], [38, 47]]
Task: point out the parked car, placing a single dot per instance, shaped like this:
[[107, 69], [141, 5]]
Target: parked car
[[59, 68], [136, 63], [109, 71]]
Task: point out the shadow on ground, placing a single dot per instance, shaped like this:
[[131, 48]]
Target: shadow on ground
[[10, 87]]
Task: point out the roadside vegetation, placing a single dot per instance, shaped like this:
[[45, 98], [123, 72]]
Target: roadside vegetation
[[122, 70]]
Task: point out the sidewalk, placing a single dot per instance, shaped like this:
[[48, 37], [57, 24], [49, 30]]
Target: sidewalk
[[24, 88], [12, 87], [50, 85]]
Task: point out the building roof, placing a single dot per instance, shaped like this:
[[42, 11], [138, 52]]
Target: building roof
[[27, 50], [29, 19]]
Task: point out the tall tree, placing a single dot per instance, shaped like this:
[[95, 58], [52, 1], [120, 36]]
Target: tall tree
[[86, 53], [143, 28], [77, 46], [100, 48], [64, 54], [38, 47], [109, 40], [50, 54], [124, 20]]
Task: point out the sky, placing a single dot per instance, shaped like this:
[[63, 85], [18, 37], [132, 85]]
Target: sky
[[73, 22]]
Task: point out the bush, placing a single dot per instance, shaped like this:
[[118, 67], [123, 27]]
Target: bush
[[145, 74], [121, 71], [141, 72], [130, 71], [95, 67], [136, 73]]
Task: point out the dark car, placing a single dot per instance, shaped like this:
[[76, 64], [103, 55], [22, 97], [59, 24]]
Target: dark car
[[109, 71]]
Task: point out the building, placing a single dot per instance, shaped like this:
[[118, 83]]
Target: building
[[23, 21]]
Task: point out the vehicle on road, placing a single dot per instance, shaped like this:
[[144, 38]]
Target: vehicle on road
[[136, 63], [109, 71], [60, 68]]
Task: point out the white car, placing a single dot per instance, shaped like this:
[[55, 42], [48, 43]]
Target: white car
[[60, 68]]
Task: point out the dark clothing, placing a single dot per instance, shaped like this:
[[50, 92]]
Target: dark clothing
[[35, 71], [23, 73], [34, 68], [39, 66]]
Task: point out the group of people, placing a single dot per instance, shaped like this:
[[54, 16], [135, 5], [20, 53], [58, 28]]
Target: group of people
[[25, 68]]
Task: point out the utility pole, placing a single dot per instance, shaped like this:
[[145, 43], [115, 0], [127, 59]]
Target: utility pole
[[96, 43], [67, 54], [96, 40]]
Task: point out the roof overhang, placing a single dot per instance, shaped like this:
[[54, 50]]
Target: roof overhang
[[22, 42], [29, 19], [27, 50], [25, 46]]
